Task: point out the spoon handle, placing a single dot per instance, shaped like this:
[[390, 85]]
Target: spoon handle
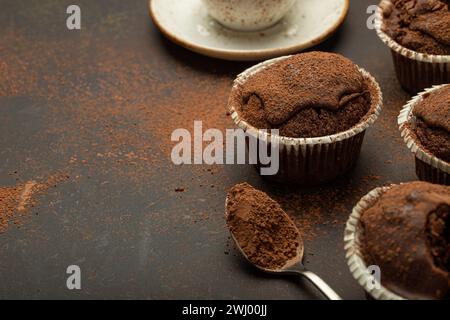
[[321, 285]]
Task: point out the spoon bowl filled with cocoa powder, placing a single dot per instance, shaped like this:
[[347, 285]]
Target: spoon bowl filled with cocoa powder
[[266, 236]]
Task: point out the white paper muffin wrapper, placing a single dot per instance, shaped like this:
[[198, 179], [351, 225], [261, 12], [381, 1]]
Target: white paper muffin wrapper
[[406, 122], [415, 71], [353, 239], [299, 157]]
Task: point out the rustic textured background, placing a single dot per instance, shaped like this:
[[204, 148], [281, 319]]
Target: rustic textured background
[[99, 105]]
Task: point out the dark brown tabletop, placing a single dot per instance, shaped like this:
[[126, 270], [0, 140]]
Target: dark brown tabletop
[[98, 106]]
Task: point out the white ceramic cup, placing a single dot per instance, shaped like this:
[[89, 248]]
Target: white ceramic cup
[[248, 15]]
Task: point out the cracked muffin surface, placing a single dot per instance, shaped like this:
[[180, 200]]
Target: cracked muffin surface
[[406, 232], [420, 25], [308, 95]]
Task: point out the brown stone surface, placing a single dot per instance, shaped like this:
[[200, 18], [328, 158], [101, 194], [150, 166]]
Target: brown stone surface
[[102, 103]]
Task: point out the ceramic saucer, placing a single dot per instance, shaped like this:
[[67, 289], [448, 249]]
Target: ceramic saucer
[[307, 24]]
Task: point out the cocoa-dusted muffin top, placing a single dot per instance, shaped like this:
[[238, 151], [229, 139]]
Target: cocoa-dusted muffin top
[[419, 25], [307, 95], [407, 234], [433, 122]]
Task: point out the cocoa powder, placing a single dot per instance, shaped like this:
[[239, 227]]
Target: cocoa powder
[[421, 26], [307, 95], [16, 201], [118, 125], [263, 230], [433, 122], [9, 199], [406, 233]]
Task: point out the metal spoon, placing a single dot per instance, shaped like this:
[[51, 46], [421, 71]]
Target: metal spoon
[[293, 266]]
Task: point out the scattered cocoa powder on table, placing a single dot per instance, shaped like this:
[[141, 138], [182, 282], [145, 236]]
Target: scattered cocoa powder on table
[[303, 97], [9, 199], [115, 113], [16, 201], [118, 129]]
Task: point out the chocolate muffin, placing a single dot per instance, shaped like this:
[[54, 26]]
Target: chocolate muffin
[[433, 122], [417, 32], [308, 95], [320, 103], [422, 26], [406, 232]]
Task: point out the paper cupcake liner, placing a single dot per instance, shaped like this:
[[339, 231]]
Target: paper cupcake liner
[[415, 71], [428, 167], [310, 161], [426, 172], [353, 238]]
